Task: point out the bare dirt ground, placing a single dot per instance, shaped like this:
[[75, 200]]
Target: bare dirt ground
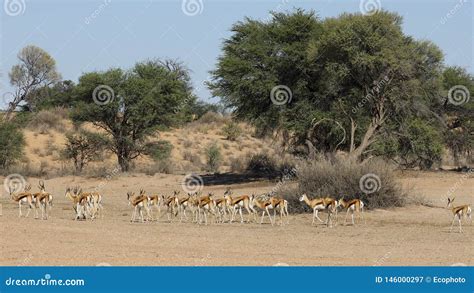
[[413, 235]]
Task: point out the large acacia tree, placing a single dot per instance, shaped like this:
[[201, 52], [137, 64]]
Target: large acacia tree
[[137, 102], [352, 78]]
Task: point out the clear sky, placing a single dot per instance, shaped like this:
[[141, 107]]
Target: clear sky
[[85, 36]]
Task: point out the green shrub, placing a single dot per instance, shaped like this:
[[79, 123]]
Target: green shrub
[[214, 157], [12, 144], [159, 150], [232, 131]]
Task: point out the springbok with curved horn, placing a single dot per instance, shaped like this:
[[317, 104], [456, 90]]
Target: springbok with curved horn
[[172, 205], [237, 203], [139, 204], [43, 200], [80, 201], [23, 198], [459, 212]]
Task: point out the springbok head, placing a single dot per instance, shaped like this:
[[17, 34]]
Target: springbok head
[[41, 185], [450, 202]]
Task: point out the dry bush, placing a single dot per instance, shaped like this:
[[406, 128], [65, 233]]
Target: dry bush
[[50, 147], [238, 165], [99, 172], [192, 157], [187, 143], [45, 120], [27, 169], [61, 112], [162, 166], [262, 163], [342, 178], [231, 131], [65, 169], [208, 121], [211, 117], [202, 128]]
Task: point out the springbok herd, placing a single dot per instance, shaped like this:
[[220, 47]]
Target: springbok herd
[[200, 207]]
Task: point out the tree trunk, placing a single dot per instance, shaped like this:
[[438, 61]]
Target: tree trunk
[[366, 142], [378, 119], [123, 160]]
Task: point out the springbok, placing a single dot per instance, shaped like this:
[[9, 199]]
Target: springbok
[[459, 212], [237, 203], [171, 203], [139, 203], [155, 201], [354, 205], [43, 200], [23, 198], [317, 204], [263, 205], [80, 201], [207, 205], [282, 206]]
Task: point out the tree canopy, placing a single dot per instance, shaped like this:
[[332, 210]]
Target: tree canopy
[[349, 79], [130, 105], [36, 69]]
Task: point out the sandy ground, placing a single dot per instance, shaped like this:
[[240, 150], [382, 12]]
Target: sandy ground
[[413, 235]]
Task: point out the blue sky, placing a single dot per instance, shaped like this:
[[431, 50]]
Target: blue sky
[[85, 36]]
